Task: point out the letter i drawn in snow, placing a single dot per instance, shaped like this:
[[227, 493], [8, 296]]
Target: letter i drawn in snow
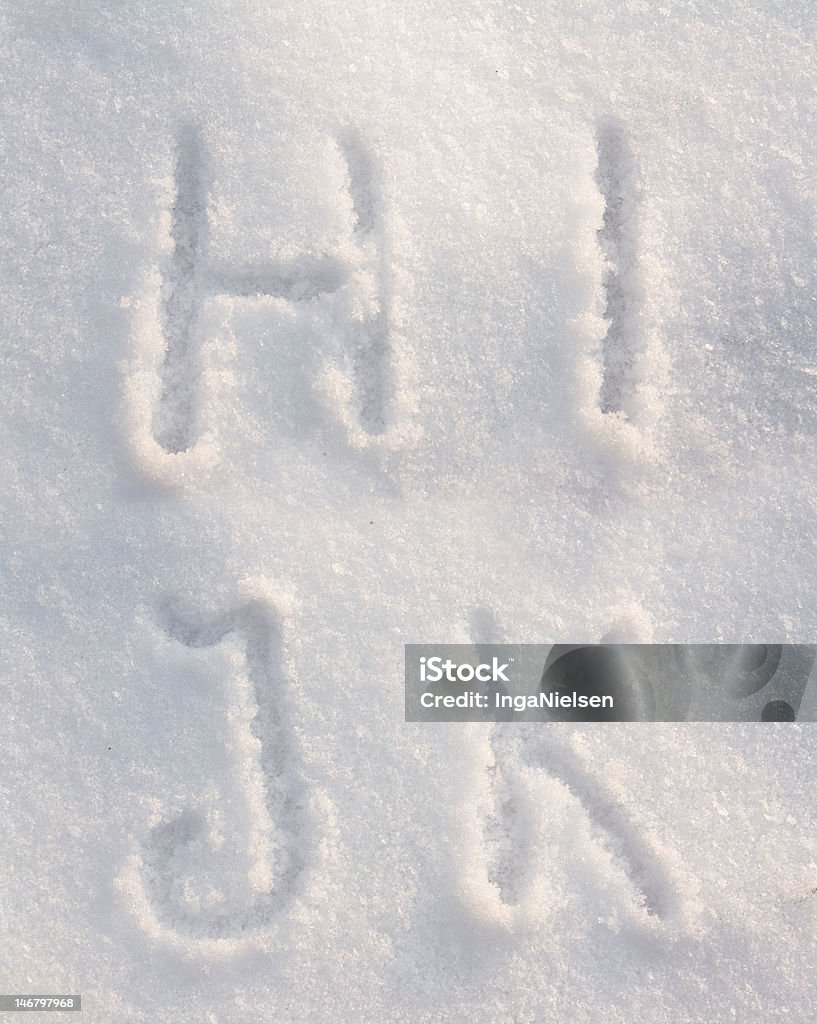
[[622, 367]]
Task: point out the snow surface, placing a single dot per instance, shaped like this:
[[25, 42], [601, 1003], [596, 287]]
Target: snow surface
[[329, 327]]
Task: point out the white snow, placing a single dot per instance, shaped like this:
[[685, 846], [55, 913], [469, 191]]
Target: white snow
[[406, 254]]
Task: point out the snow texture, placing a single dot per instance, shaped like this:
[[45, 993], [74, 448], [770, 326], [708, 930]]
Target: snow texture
[[333, 326]]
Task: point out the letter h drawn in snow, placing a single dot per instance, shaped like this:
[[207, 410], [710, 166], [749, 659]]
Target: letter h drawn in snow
[[191, 276]]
